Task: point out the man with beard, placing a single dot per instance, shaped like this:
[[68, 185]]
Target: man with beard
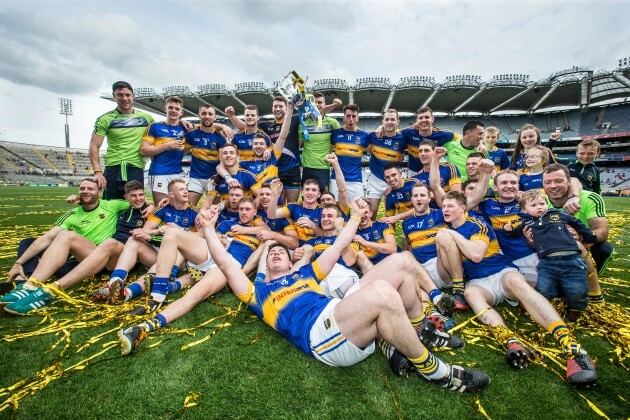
[[78, 233]]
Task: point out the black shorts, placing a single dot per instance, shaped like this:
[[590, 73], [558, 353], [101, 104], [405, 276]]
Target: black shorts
[[321, 175], [115, 188], [291, 178]]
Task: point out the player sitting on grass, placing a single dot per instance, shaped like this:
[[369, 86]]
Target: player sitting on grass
[[492, 279], [561, 268], [338, 332]]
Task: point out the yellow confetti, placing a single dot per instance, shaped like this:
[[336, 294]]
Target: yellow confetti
[[193, 399], [480, 408]]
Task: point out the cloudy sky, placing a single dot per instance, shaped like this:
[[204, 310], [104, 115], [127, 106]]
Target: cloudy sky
[[75, 48]]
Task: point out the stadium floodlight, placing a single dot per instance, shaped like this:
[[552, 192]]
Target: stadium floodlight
[[65, 108], [212, 89], [250, 87], [177, 91]]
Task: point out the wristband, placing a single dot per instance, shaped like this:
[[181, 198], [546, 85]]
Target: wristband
[[18, 263], [228, 177], [339, 229], [358, 219], [150, 237], [98, 170], [572, 196], [221, 206]]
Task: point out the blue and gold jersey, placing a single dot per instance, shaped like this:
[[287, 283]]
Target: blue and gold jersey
[[493, 261], [293, 211], [322, 243], [281, 225], [227, 214], [414, 138], [204, 149], [244, 142], [168, 162], [449, 176], [265, 170], [184, 218], [499, 214], [247, 180], [399, 201], [385, 150], [349, 148], [500, 159], [420, 231], [242, 245], [376, 233], [528, 181], [290, 157], [290, 304]]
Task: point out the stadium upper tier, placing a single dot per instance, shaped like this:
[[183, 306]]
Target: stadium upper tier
[[579, 87]]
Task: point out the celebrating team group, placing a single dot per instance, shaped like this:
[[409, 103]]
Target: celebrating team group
[[284, 204]]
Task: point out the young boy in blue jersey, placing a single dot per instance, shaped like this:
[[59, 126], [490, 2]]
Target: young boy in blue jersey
[[496, 155], [337, 332], [491, 279], [163, 142], [561, 268]]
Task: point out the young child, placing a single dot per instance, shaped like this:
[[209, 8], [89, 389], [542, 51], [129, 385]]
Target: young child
[[498, 156], [536, 158], [561, 269], [584, 169]]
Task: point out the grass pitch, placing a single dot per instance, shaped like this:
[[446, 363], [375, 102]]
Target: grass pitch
[[220, 361]]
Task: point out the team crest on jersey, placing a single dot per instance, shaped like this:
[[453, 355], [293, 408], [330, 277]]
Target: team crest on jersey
[[102, 215], [396, 144], [139, 223], [399, 196], [430, 222], [295, 277], [554, 218], [357, 140], [185, 221]]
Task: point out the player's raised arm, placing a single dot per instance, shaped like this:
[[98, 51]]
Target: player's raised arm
[[273, 212], [330, 256], [239, 283], [486, 167]]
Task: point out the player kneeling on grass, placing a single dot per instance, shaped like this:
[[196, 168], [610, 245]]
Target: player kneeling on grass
[[492, 279], [333, 331]]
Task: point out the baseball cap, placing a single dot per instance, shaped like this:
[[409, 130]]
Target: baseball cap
[[121, 85]]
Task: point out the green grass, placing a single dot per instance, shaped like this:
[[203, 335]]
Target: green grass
[[246, 370]]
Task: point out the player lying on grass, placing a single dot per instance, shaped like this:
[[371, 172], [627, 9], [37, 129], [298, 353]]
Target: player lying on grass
[[336, 332]]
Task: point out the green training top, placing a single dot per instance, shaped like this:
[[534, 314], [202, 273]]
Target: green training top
[[124, 135], [592, 206], [97, 224], [457, 155], [318, 145]]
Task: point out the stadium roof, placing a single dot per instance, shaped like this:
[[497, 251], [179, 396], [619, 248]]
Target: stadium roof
[[577, 87]]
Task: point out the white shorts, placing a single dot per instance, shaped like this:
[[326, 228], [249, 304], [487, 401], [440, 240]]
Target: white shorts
[[375, 187], [338, 281], [209, 264], [197, 185], [329, 346], [527, 267], [159, 183], [354, 189], [431, 267], [494, 285]]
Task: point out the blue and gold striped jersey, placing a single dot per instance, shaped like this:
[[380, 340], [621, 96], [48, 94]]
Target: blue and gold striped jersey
[[290, 304], [399, 201], [349, 148], [168, 162], [293, 211], [528, 181], [385, 150], [184, 218], [449, 176], [242, 245], [247, 180], [414, 139], [281, 225], [500, 159], [376, 233], [322, 243], [420, 231], [204, 149], [245, 141], [499, 215], [493, 261]]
